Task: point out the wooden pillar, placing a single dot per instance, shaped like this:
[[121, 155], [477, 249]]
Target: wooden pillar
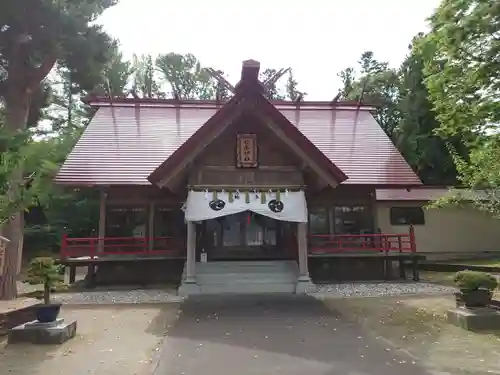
[[302, 246], [304, 283], [102, 220], [190, 253], [151, 226]]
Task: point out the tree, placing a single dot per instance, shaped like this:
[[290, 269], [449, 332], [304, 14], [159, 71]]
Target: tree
[[376, 84], [292, 91], [186, 77], [416, 135], [145, 83], [34, 36], [117, 75], [272, 90], [463, 79]]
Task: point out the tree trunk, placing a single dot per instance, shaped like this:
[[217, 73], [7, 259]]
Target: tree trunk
[[46, 292], [17, 109]]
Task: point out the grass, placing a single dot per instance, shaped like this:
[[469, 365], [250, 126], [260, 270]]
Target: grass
[[443, 278], [446, 278], [417, 325], [495, 262]]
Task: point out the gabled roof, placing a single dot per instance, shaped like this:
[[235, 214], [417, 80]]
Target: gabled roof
[[128, 139], [249, 95]]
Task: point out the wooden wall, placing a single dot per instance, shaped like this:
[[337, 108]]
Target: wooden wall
[[216, 166]]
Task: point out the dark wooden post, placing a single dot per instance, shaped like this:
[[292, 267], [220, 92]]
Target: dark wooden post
[[102, 220], [413, 248]]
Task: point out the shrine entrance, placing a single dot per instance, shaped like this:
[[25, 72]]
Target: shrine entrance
[[247, 236]]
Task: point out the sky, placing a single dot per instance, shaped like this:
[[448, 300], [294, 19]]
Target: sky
[[316, 38]]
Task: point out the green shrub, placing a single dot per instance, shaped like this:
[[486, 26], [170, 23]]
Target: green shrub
[[474, 280], [44, 270]]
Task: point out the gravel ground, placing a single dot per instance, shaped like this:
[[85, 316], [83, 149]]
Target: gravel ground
[[118, 297], [330, 290], [381, 289], [110, 340]]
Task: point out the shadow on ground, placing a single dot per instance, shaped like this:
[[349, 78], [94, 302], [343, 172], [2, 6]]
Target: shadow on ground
[[274, 335]]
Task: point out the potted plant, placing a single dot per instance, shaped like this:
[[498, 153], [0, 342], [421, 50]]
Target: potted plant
[[45, 271], [476, 288]]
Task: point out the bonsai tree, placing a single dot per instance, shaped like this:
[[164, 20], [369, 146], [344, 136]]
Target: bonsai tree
[[476, 288], [44, 270]]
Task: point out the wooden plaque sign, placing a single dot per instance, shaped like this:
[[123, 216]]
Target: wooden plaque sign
[[246, 151]]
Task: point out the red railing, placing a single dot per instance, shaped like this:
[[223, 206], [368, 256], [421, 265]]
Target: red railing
[[94, 246], [380, 242]]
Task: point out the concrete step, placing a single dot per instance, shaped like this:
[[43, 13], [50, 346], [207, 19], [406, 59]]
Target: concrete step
[[247, 277], [250, 288], [241, 266]]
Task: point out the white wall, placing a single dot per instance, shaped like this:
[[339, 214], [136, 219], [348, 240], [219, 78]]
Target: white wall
[[457, 231]]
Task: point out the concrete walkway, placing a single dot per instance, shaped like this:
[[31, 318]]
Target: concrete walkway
[[274, 335]]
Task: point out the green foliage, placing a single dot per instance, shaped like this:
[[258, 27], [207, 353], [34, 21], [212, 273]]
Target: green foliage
[[405, 112], [463, 79], [35, 34], [44, 271], [474, 280], [18, 153], [186, 77], [145, 81], [292, 91], [416, 135], [376, 84], [464, 73]]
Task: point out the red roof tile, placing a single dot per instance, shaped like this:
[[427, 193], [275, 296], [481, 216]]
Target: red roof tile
[[125, 143]]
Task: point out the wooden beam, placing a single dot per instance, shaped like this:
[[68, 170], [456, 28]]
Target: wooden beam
[[336, 98], [219, 78], [271, 81]]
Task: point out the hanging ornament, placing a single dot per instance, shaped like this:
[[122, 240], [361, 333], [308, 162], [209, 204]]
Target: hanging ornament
[[276, 206], [256, 194], [214, 195], [237, 194], [278, 195], [206, 194], [270, 193], [230, 197], [263, 197], [286, 193], [247, 197]]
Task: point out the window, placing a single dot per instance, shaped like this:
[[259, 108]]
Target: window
[[318, 221], [407, 216], [352, 220], [126, 222], [168, 223], [340, 220]]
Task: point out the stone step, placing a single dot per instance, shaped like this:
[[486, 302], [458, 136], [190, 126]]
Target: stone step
[[264, 266], [246, 279], [249, 288]]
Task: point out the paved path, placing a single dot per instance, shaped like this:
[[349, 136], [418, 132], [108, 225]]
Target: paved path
[[274, 335]]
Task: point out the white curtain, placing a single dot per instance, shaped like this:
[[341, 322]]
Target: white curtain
[[290, 206]]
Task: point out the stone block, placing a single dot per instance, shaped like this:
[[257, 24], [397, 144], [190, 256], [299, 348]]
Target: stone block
[[43, 333], [474, 319]]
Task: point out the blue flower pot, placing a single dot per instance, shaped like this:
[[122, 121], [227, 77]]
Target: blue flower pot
[[48, 313]]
